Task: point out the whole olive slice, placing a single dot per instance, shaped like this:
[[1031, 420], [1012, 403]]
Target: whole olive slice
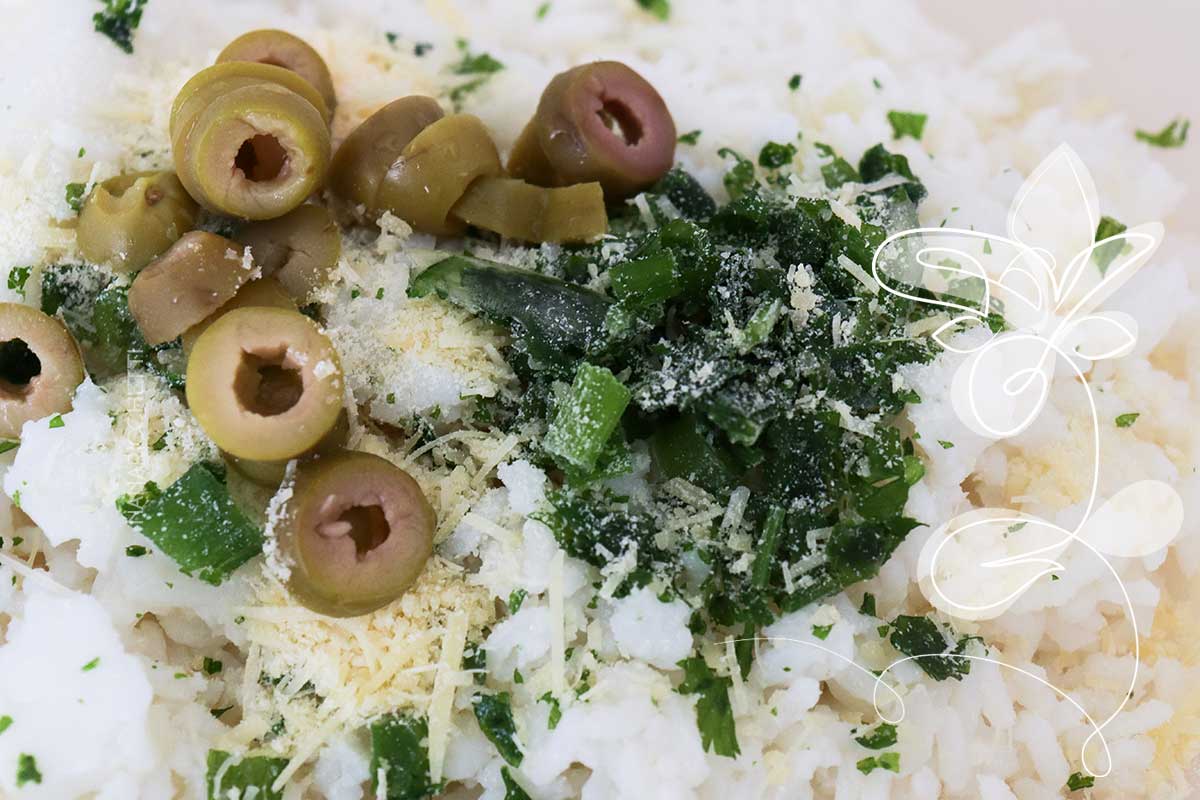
[[363, 159], [256, 151], [282, 49], [264, 383], [272, 473], [604, 122], [266, 292], [40, 366], [128, 220], [435, 170], [197, 275], [299, 249], [519, 210], [355, 534]]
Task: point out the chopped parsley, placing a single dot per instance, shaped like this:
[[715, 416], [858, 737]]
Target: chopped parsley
[[118, 20], [775, 155], [5, 722], [400, 757], [555, 710], [1126, 420], [91, 665], [659, 8], [474, 63], [391, 37], [421, 48], [515, 599], [74, 195], [9, 444], [740, 176], [794, 81], [248, 776], [888, 761], [821, 631], [493, 712], [1078, 781], [907, 123], [1174, 135], [542, 11], [55, 422], [1105, 253], [883, 736], [136, 551], [27, 770], [691, 137], [512, 789], [920, 638], [379, 293], [714, 714], [17, 278], [945, 445], [212, 666], [868, 605]]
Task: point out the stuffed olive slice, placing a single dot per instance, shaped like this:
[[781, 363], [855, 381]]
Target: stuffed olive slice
[[40, 367], [282, 49], [264, 383], [355, 533], [597, 122], [299, 249], [128, 220], [196, 276]]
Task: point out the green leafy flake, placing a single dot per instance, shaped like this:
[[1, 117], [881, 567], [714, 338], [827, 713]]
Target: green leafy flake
[[838, 171], [17, 540], [821, 631], [794, 81], [868, 605], [212, 666], [945, 445], [1104, 254], [740, 177], [1125, 420], [882, 736], [421, 48], [243, 777], [714, 714], [493, 712], [587, 418], [391, 37], [474, 63], [9, 444], [217, 712], [512, 789], [875, 82], [399, 752], [867, 765], [555, 710], [775, 155], [55, 422], [159, 444], [17, 278], [195, 522], [517, 676], [542, 11], [920, 638], [91, 665], [379, 293], [890, 761], [27, 770], [907, 123], [691, 137], [118, 20], [1078, 780], [74, 195], [515, 599], [1174, 135], [5, 723], [136, 551], [659, 8]]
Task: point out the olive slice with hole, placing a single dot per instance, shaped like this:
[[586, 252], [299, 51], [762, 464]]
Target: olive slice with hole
[[264, 383], [363, 159], [435, 170], [198, 274], [128, 220], [519, 210], [266, 292], [40, 367], [282, 49], [601, 122], [355, 534], [299, 249], [212, 82]]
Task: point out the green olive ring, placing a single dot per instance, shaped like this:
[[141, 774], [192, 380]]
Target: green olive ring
[[299, 249], [366, 155], [212, 82], [355, 533], [264, 383], [256, 152], [519, 210], [282, 49], [196, 276], [128, 220], [40, 367]]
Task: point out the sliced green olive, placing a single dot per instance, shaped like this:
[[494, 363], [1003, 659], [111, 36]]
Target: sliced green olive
[[264, 383], [364, 158], [212, 82], [434, 171], [266, 292], [128, 220], [197, 275], [356, 533], [272, 473], [282, 49], [299, 249], [519, 210], [40, 366], [599, 122]]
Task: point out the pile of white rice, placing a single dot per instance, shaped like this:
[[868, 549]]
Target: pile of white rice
[[138, 724]]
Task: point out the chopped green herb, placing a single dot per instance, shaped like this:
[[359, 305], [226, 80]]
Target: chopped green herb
[[515, 599], [82, 152], [391, 37], [9, 444], [17, 278], [691, 137], [794, 81], [740, 176], [355, 293], [379, 293], [27, 770], [91, 665], [159, 444], [1174, 135], [883, 736], [714, 714], [5, 722], [659, 8], [398, 752], [493, 712], [517, 676], [421, 48], [542, 11], [212, 666], [74, 195], [1106, 253], [1078, 781], [920, 637], [474, 63], [587, 418], [821, 631], [55, 422], [136, 551], [889, 761], [244, 777], [118, 20], [945, 445], [195, 522], [907, 123], [16, 498], [512, 789], [217, 712], [17, 540], [775, 155], [1125, 420], [868, 605], [875, 82], [555, 710]]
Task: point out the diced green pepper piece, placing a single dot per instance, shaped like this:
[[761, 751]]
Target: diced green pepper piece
[[680, 449], [195, 522], [399, 753], [231, 778], [646, 280], [587, 418], [494, 714], [552, 320]]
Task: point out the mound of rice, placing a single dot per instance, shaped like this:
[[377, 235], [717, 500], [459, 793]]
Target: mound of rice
[[140, 722]]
